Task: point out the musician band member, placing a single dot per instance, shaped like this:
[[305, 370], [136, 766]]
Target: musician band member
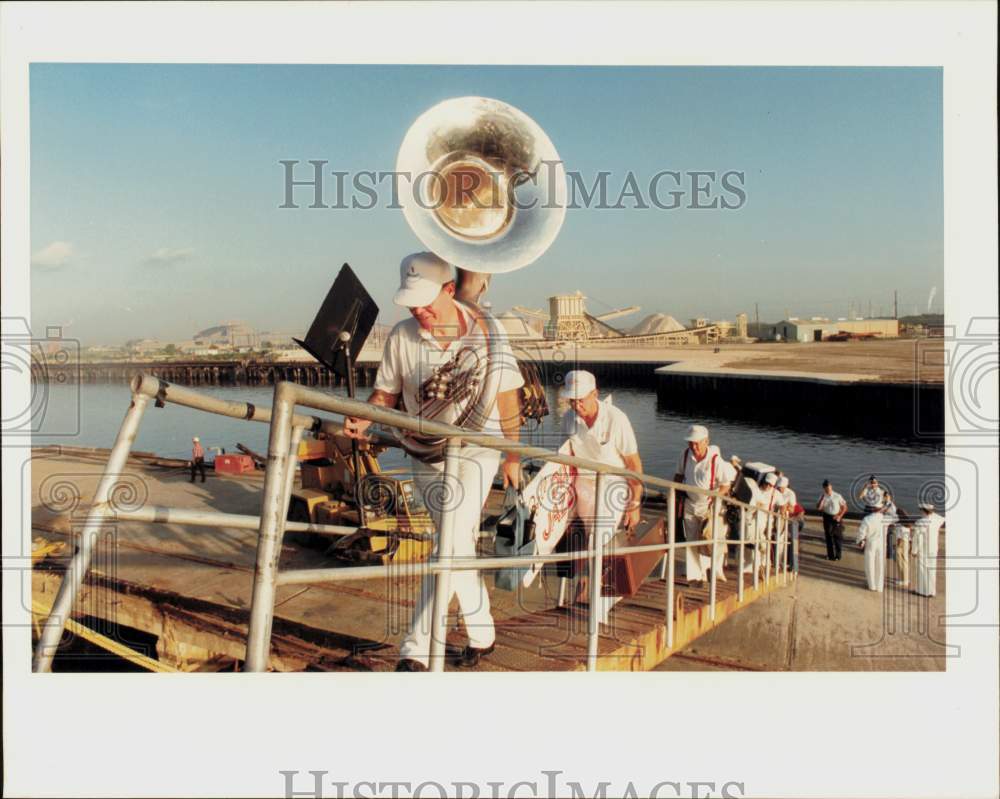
[[438, 329]]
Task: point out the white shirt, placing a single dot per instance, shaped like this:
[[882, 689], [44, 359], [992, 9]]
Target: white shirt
[[832, 503], [699, 473], [873, 497], [411, 354], [788, 498], [609, 439]]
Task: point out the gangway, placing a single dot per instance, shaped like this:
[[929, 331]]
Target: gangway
[[664, 616]]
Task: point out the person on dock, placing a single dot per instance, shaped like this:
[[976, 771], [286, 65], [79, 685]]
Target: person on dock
[[833, 507], [925, 549], [197, 458], [890, 517], [599, 431], [702, 465], [795, 514], [871, 538], [768, 502], [439, 328], [899, 535]]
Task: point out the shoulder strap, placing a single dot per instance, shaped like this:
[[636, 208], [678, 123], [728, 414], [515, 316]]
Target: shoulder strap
[[711, 479]]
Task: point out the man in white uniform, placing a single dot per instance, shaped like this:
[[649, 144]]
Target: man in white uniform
[[769, 501], [701, 464], [925, 548], [794, 521], [599, 431], [871, 534], [440, 327]]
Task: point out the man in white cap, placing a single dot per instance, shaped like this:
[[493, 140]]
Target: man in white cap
[[795, 514], [769, 502], [438, 329], [197, 458], [702, 465], [925, 549], [599, 431]]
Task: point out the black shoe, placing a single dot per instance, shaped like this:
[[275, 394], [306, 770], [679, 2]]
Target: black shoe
[[408, 664], [470, 656]]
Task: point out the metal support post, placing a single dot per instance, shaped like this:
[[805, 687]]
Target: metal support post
[[743, 537], [714, 579], [671, 560], [273, 512], [446, 551], [52, 633], [756, 550], [596, 570]]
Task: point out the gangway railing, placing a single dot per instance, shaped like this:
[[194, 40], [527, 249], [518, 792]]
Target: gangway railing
[[286, 430]]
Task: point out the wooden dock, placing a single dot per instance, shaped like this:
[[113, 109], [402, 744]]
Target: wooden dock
[[188, 589]]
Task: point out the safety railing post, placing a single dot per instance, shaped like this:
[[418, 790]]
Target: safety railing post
[[596, 570], [769, 526], [784, 551], [742, 539], [756, 550], [714, 578], [273, 513], [52, 633], [671, 561], [445, 551]]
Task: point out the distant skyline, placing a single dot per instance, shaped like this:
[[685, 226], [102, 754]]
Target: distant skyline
[[156, 189]]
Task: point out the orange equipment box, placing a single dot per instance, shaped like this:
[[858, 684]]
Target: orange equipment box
[[233, 464]]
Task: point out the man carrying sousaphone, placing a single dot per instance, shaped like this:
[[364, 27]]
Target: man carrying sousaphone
[[441, 331]]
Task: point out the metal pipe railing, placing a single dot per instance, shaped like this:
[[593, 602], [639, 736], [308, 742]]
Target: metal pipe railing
[[287, 427]]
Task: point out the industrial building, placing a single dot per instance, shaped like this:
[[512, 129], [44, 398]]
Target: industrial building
[[822, 329]]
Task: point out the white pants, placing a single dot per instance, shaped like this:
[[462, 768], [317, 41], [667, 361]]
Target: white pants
[[604, 523], [924, 552], [697, 560], [477, 468], [872, 532]]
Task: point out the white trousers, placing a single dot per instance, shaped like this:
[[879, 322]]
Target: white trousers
[[477, 468], [872, 532], [604, 523], [697, 560], [924, 552]]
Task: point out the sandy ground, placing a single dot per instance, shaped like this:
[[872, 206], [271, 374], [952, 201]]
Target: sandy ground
[[827, 620]]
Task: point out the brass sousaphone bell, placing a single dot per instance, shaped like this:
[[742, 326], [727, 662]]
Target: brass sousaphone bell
[[487, 194]]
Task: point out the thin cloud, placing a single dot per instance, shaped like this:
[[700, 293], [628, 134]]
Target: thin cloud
[[53, 256], [168, 256]]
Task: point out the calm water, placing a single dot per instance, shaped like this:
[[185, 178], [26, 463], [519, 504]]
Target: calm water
[[89, 415]]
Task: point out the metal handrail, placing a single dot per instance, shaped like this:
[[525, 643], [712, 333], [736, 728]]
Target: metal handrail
[[286, 430]]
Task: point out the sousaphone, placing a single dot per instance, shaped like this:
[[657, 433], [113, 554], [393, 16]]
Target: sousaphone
[[487, 193]]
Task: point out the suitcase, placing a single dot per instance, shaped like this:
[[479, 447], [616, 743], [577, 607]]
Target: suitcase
[[624, 574]]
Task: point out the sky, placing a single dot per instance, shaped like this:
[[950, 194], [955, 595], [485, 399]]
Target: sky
[[155, 190]]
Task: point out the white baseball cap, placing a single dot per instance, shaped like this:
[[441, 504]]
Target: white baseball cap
[[782, 482], [926, 506], [421, 276], [770, 478], [578, 384], [696, 432]]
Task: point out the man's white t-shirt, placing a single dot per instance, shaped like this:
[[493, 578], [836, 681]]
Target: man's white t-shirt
[[832, 503], [411, 354], [610, 438]]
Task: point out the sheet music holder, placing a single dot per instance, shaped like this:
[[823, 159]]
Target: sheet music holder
[[347, 307]]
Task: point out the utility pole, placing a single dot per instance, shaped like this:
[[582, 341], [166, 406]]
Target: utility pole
[[895, 303], [869, 309], [756, 314]]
